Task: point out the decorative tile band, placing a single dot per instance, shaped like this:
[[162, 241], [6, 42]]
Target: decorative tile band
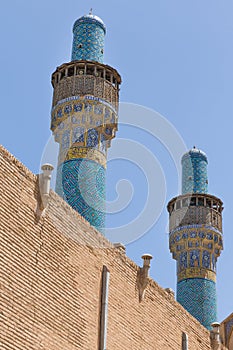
[[196, 272], [81, 182], [89, 113], [189, 239], [86, 153], [198, 297], [208, 227], [196, 251], [81, 98]]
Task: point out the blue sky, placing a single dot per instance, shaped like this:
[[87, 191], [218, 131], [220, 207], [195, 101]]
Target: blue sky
[[175, 57]]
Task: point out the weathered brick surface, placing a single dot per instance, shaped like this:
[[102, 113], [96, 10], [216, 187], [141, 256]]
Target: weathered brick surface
[[50, 280]]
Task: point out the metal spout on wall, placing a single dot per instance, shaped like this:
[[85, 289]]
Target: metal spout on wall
[[215, 336], [143, 276], [45, 180]]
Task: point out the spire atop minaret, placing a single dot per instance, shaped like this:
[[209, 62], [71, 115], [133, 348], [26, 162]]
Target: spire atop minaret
[[90, 12]]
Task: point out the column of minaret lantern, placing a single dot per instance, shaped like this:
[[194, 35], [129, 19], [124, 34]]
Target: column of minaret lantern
[[105, 81], [195, 209]]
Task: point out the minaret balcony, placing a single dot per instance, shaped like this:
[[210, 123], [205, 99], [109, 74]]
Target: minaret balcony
[[191, 209]]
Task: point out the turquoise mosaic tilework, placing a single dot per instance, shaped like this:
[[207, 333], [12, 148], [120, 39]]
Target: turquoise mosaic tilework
[[198, 297], [194, 172], [88, 40], [81, 182]]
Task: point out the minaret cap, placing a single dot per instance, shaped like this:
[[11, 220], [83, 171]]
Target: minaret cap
[[90, 18], [195, 153]]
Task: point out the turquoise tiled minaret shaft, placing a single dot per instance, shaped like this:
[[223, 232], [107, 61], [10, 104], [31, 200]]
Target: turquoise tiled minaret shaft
[[84, 120], [195, 239], [88, 40], [194, 172]]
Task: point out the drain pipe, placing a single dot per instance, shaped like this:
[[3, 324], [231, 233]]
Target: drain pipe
[[184, 341], [143, 276], [104, 308]]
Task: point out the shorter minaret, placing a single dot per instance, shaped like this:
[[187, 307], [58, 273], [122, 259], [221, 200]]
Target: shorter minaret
[[195, 239]]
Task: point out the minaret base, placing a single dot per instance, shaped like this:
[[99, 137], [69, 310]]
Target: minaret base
[[198, 297], [81, 183]]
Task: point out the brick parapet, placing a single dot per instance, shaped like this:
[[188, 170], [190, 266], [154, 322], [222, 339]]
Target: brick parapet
[[50, 280]]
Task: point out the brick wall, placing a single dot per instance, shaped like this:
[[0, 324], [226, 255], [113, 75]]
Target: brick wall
[[50, 280]]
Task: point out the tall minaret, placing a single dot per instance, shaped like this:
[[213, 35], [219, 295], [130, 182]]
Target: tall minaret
[[195, 239], [84, 120]]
